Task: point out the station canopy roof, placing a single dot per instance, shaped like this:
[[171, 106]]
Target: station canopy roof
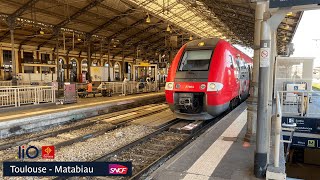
[[130, 25]]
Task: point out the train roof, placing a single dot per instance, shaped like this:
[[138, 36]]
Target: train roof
[[210, 42]]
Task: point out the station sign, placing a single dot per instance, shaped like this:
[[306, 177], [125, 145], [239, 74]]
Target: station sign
[[290, 3], [304, 142], [144, 64], [304, 124]]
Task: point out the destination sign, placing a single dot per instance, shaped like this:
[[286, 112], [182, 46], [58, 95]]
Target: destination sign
[[289, 3]]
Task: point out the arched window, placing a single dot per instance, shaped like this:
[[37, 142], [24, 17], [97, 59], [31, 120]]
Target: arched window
[[74, 70], [117, 71], [84, 65], [129, 71]]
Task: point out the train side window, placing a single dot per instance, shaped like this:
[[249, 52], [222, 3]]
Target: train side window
[[230, 61]]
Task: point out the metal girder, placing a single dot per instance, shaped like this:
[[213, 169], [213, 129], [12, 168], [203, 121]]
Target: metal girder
[[141, 21], [23, 8], [138, 42], [79, 13], [141, 32], [74, 16], [152, 42], [109, 22], [12, 17], [5, 35]]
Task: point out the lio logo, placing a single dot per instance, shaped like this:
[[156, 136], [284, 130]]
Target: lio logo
[[29, 152], [32, 152], [118, 169]]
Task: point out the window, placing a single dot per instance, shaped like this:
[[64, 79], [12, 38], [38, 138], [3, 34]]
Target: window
[[196, 60], [28, 57], [7, 58], [45, 58]]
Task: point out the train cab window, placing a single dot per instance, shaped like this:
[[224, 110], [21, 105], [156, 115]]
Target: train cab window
[[196, 60]]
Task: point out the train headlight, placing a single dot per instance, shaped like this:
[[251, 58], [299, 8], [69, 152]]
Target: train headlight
[[202, 86], [178, 86], [169, 86], [214, 86]]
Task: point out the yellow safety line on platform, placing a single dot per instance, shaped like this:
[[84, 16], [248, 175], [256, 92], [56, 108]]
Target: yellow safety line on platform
[[72, 107], [207, 163]]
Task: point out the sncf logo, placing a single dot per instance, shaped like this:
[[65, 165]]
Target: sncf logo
[[118, 169]]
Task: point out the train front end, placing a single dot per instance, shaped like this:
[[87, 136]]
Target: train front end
[[190, 86]]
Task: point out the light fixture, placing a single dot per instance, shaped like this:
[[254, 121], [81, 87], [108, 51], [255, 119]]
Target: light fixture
[[289, 14], [148, 20], [114, 45], [286, 26], [41, 31], [190, 38], [168, 28]]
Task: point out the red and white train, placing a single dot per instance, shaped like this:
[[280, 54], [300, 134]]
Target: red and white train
[[206, 78]]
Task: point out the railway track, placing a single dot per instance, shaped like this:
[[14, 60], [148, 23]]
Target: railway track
[[150, 151], [90, 128]]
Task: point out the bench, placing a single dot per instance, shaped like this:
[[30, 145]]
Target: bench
[[82, 93]]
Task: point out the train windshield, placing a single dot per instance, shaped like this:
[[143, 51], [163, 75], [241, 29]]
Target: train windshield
[[196, 60]]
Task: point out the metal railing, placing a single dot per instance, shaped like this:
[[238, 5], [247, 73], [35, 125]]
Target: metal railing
[[293, 103], [131, 87], [5, 83], [20, 95], [139, 87], [300, 103]]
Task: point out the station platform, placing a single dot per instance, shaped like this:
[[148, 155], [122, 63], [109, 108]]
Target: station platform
[[19, 121], [217, 154]]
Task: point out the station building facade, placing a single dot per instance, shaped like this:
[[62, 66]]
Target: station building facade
[[41, 65]]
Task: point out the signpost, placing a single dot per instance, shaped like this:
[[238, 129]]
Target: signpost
[[290, 3]]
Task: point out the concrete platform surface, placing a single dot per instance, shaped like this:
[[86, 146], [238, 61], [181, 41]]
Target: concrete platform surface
[[29, 120], [217, 154]]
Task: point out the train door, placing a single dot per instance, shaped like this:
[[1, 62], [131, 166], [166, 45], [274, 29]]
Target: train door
[[244, 78], [233, 76]]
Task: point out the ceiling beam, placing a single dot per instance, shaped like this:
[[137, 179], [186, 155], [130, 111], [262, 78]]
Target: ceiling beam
[[72, 17], [4, 35], [23, 8], [126, 29], [12, 17], [109, 22]]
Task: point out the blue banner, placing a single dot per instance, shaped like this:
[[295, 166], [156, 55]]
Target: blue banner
[[67, 168], [304, 142], [304, 124]]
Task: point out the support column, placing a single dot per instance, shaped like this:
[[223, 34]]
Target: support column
[[262, 144], [271, 85], [58, 62], [123, 64], [109, 78], [89, 58], [68, 70], [253, 99], [13, 59]]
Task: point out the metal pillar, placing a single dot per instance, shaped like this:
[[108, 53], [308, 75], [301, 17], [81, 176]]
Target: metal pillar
[[109, 78], [89, 59], [253, 99], [123, 68], [13, 59], [262, 145], [271, 111], [58, 62]]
